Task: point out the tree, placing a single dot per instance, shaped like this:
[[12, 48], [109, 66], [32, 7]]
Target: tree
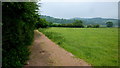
[[42, 23], [109, 24], [96, 26], [78, 23], [50, 24], [89, 26]]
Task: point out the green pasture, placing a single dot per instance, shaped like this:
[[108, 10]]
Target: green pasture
[[97, 46]]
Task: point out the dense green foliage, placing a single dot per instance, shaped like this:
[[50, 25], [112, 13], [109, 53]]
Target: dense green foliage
[[18, 19], [76, 23], [109, 24], [42, 23], [86, 21], [98, 47]]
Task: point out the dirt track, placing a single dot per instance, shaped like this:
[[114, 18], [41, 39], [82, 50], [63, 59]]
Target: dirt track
[[44, 52]]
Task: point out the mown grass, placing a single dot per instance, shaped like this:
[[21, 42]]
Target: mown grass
[[97, 46]]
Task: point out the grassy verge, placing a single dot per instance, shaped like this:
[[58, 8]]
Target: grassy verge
[[54, 36], [97, 46]]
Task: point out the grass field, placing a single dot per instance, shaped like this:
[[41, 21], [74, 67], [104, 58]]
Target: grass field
[[97, 46]]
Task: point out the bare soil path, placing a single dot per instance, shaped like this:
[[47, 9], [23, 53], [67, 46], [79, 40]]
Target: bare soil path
[[44, 52]]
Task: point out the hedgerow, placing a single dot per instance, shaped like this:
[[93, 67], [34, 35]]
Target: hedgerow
[[18, 19]]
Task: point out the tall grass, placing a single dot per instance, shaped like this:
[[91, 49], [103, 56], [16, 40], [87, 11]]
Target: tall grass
[[97, 46]]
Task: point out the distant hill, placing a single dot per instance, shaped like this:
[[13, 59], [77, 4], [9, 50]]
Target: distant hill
[[86, 21], [57, 20]]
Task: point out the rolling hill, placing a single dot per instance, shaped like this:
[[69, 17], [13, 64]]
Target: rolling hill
[[86, 21]]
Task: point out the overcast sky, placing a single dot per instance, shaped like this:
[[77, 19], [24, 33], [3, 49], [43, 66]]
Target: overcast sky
[[79, 8]]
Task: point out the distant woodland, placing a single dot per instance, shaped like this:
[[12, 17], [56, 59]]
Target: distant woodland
[[86, 21]]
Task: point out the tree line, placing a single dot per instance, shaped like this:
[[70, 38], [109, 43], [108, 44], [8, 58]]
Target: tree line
[[76, 24], [86, 21]]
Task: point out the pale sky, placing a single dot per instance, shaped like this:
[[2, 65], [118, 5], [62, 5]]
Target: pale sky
[[80, 8], [80, 0]]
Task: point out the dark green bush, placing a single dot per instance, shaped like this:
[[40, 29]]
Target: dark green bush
[[109, 24], [42, 23], [18, 19]]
